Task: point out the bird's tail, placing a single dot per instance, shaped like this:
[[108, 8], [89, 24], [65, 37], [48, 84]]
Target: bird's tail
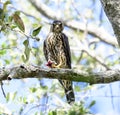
[[68, 90]]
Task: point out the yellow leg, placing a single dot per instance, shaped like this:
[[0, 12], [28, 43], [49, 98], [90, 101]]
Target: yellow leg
[[56, 66]]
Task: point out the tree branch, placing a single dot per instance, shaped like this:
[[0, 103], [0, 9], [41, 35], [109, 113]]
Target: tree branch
[[93, 30], [24, 71], [95, 57], [112, 9]]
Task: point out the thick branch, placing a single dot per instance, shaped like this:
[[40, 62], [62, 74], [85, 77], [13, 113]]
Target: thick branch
[[93, 30], [112, 9], [24, 71]]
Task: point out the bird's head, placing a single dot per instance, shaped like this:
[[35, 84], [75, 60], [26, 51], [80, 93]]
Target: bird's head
[[57, 26]]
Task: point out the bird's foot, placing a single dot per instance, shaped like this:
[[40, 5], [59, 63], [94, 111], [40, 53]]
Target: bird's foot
[[56, 66], [51, 64]]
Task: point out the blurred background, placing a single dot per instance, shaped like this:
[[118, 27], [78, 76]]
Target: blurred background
[[93, 48]]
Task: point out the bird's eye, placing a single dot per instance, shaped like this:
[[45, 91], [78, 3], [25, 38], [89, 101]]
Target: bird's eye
[[60, 24], [54, 24]]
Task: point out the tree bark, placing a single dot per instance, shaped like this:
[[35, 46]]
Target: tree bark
[[25, 71], [112, 10]]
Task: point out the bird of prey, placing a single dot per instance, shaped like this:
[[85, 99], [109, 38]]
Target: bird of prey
[[57, 53]]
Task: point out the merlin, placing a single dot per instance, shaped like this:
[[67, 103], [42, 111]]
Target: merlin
[[57, 53]]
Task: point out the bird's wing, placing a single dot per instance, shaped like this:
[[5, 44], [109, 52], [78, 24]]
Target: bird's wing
[[45, 50], [67, 49]]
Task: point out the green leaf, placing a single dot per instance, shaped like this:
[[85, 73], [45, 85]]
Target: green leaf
[[13, 26], [77, 88], [17, 12], [37, 39], [18, 21], [91, 104], [1, 15], [5, 5], [22, 100], [72, 113], [8, 97], [44, 87], [14, 95], [26, 42], [26, 55], [23, 58], [36, 31], [10, 18], [52, 113], [7, 61], [25, 100], [33, 89], [2, 52]]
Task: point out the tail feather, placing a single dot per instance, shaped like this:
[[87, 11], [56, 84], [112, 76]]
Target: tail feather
[[68, 90], [70, 96]]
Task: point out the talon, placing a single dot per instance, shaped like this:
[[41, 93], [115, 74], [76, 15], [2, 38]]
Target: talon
[[58, 66]]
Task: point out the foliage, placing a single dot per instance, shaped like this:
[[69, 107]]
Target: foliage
[[75, 109], [11, 21]]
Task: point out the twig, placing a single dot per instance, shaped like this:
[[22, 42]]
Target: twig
[[3, 89], [98, 59]]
